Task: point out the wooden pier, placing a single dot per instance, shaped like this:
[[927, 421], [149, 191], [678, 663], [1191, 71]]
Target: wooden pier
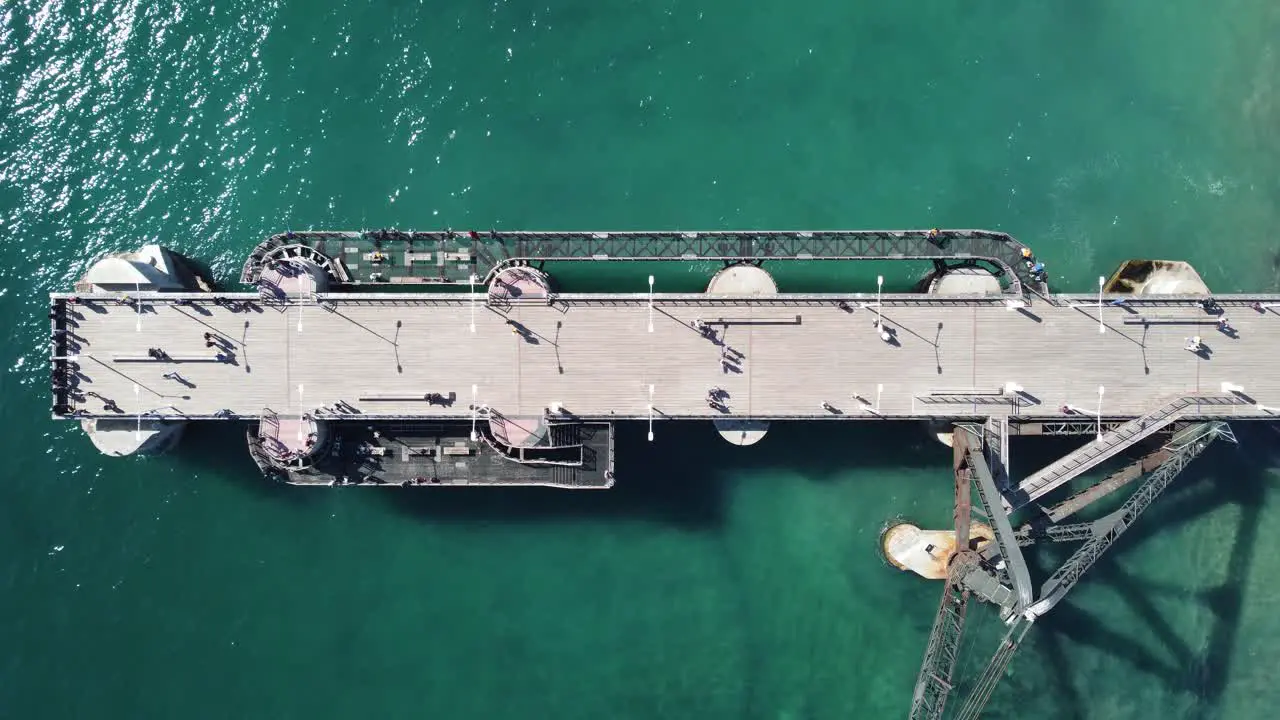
[[594, 357]]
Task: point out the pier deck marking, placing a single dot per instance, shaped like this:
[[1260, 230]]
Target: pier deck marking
[[794, 358]]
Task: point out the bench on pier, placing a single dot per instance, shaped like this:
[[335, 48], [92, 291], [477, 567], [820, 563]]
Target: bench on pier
[[1196, 320], [457, 448], [460, 257], [726, 321], [166, 358]]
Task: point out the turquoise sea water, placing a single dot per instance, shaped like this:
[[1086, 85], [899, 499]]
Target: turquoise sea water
[[713, 582]]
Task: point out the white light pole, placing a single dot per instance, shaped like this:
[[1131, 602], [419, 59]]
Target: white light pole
[[300, 406], [1101, 328], [471, 283], [473, 411], [1267, 409], [879, 286], [651, 313], [879, 389], [650, 413], [137, 303], [1100, 391]]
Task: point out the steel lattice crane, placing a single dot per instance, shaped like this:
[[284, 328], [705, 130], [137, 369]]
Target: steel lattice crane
[[1002, 578]]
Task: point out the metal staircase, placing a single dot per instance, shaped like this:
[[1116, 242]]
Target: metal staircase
[[1100, 534], [1111, 443]]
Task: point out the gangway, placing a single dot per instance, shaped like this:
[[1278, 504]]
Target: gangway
[[1014, 564], [1102, 533], [459, 255], [1107, 446]]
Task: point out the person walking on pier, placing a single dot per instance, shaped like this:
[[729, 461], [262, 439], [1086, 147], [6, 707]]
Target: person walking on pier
[[216, 340], [175, 377]]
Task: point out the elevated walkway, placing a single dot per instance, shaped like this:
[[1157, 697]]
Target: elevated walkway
[[448, 257], [1110, 444]]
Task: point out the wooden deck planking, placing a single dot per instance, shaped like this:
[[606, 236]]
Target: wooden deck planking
[[609, 358]]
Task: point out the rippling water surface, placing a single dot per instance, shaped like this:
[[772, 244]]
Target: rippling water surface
[[714, 582]]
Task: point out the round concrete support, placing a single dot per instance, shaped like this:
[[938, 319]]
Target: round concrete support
[[743, 280], [132, 436]]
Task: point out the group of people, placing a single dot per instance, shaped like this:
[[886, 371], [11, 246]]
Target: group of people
[[226, 350], [716, 398], [64, 381], [705, 330], [1034, 266], [731, 359]]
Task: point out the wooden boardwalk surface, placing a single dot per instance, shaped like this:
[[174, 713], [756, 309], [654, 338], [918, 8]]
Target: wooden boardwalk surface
[[597, 358]]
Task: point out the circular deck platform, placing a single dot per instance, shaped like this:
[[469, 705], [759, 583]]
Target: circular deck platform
[[524, 431], [928, 553], [132, 436], [291, 440], [742, 432], [742, 280], [293, 278], [965, 281], [515, 284]]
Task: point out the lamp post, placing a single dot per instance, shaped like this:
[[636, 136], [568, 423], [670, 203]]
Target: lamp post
[[1101, 328], [650, 312], [1101, 390], [879, 389], [137, 304], [473, 411], [650, 413], [879, 286], [471, 283]]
